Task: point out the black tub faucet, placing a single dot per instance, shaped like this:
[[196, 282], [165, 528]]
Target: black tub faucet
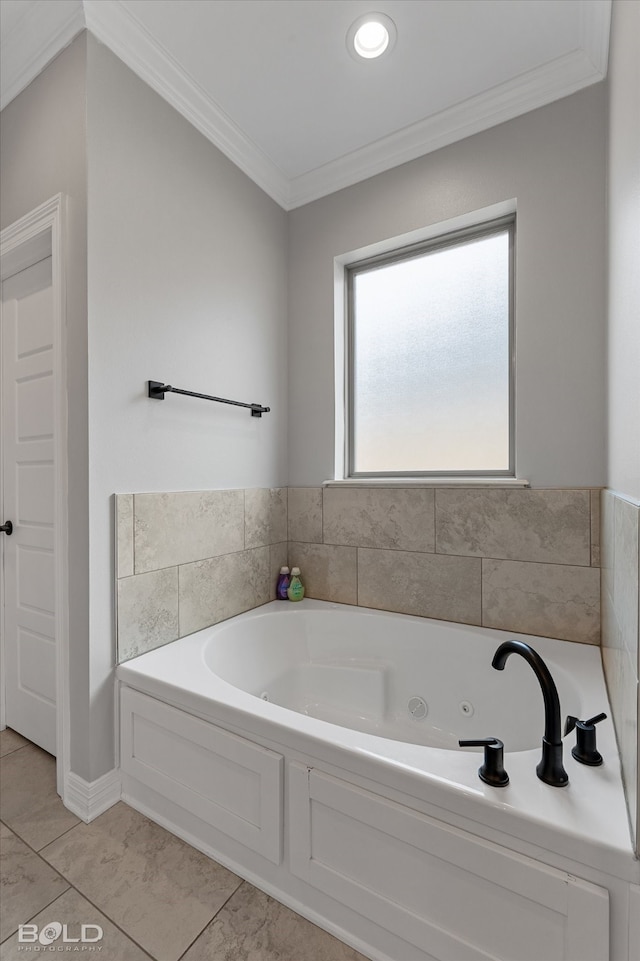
[[550, 769]]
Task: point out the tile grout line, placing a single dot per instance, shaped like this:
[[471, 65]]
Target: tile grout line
[[211, 920], [53, 840], [179, 625], [244, 518], [114, 923], [48, 905], [435, 521], [70, 884], [133, 537], [15, 749]]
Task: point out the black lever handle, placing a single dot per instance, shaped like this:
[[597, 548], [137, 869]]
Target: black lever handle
[[585, 750], [492, 770], [6, 528]]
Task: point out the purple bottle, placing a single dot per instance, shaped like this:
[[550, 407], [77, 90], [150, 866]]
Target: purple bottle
[[282, 587]]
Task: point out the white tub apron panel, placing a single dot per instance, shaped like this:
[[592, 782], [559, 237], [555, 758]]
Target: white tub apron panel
[[457, 897], [225, 780]]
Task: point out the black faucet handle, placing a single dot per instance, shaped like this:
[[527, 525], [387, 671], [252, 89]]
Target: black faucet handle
[[585, 750], [492, 770]]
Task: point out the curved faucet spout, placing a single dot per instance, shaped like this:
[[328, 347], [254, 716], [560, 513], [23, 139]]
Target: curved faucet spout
[[550, 769]]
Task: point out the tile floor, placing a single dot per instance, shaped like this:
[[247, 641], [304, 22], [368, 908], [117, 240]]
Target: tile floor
[[153, 895]]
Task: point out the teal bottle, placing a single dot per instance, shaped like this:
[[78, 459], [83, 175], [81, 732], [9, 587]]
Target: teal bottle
[[295, 591]]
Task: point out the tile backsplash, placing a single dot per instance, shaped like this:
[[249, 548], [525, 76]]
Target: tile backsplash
[[189, 559], [621, 635], [520, 560]]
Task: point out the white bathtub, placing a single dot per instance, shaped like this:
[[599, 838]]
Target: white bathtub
[[260, 739]]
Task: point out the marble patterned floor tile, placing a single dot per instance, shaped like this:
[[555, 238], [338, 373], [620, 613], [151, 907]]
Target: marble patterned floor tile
[[305, 514], [29, 803], [11, 741], [387, 518], [159, 890], [254, 927], [72, 910], [27, 883]]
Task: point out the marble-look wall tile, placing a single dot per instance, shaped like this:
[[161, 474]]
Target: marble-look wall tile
[[305, 514], [178, 528], [386, 518], [625, 574], [220, 587], [124, 535], [265, 516], [278, 557], [328, 573], [550, 600], [607, 513], [147, 612], [620, 594], [622, 686], [551, 526], [430, 585], [595, 528]]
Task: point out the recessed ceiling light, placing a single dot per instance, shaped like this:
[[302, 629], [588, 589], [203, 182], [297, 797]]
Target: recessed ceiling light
[[370, 36]]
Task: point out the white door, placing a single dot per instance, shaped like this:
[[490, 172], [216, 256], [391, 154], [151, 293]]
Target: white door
[[28, 499]]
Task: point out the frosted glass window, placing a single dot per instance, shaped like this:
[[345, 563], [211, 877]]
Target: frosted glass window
[[430, 349]]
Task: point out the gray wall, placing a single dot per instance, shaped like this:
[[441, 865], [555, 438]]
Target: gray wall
[[621, 504], [552, 161], [187, 284], [624, 251], [43, 152], [179, 262]]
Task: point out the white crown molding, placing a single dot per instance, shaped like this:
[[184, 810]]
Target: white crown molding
[[88, 799], [595, 27], [118, 29], [40, 34], [47, 27], [554, 80]]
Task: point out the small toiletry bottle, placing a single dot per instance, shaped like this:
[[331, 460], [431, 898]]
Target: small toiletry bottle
[[296, 587], [283, 584]]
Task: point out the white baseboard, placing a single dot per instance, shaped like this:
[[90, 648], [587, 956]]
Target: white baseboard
[[88, 799]]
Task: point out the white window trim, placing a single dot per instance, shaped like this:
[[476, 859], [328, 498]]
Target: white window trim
[[340, 263], [432, 481]]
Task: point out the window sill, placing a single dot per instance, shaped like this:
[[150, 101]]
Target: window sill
[[427, 482]]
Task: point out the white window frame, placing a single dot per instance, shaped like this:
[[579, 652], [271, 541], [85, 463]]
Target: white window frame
[[482, 222]]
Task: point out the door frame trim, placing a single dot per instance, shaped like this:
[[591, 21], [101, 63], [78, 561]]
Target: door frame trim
[[21, 244]]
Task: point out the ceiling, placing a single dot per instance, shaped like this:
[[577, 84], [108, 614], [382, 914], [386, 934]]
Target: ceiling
[[271, 82]]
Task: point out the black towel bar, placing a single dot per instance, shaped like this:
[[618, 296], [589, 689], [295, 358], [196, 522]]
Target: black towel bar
[[157, 390]]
